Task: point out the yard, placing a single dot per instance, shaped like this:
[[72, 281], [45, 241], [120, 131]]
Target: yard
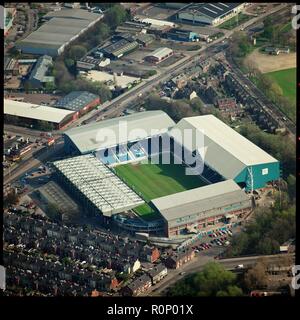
[[286, 79]]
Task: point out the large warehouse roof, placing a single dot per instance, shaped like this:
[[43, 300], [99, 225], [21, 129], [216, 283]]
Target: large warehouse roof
[[34, 111], [62, 27], [227, 152], [201, 199], [85, 137], [98, 184], [76, 100], [214, 9]]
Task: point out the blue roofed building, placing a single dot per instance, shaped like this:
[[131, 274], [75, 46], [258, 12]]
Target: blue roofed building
[[182, 35]]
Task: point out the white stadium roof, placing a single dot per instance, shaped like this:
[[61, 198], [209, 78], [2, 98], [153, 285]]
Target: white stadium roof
[[35, 111], [226, 151], [98, 184], [85, 137], [201, 199]]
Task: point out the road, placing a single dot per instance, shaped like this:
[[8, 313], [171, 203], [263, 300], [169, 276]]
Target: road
[[269, 107], [199, 262], [120, 103], [26, 165]]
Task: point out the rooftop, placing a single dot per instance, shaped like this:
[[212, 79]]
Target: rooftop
[[199, 199], [76, 100], [226, 151], [160, 52], [98, 184], [40, 68], [34, 111], [139, 126], [61, 28], [213, 10]]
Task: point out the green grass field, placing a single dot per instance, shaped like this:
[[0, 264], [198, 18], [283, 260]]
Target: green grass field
[[286, 79], [156, 180]]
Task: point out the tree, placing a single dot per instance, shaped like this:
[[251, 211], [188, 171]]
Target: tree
[[115, 16], [44, 125], [213, 280], [76, 52], [27, 86], [10, 199], [256, 277], [53, 212], [50, 86], [291, 182]]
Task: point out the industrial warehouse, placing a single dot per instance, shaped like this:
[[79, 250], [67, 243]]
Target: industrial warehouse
[[233, 167], [29, 114], [208, 13], [61, 28], [159, 55], [78, 101]]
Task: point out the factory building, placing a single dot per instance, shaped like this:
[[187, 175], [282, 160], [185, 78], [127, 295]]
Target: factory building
[[182, 35], [28, 114], [119, 49], [38, 76], [212, 14], [80, 102], [60, 29], [230, 154], [199, 208], [159, 55]]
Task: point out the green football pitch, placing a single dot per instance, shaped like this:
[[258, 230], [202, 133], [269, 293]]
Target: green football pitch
[[156, 180]]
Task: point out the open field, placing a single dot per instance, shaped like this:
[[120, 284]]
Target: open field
[[286, 79], [269, 63], [156, 180]]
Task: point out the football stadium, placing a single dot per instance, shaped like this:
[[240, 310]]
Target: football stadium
[[128, 170]]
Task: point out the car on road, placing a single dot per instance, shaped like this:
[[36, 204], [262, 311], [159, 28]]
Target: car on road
[[240, 266], [182, 273]]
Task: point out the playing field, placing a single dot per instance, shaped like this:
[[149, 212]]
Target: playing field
[[156, 180], [286, 79]]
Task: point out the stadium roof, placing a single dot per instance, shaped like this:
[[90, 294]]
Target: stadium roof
[[76, 100], [201, 199], [85, 137], [34, 111], [160, 53], [226, 151], [98, 184], [62, 27], [40, 69]]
